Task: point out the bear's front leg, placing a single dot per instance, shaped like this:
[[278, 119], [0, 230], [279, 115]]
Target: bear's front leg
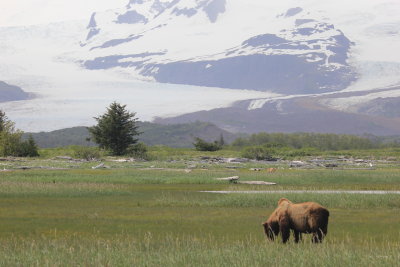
[[284, 229], [297, 236]]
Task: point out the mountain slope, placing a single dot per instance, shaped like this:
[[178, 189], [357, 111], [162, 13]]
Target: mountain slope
[[302, 53], [33, 12], [300, 114], [12, 93], [177, 135], [289, 47]]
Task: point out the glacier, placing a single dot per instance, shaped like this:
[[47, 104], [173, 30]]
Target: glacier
[[169, 57]]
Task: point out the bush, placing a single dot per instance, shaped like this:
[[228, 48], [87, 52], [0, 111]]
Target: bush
[[201, 145], [28, 148], [259, 153], [87, 153], [138, 151], [10, 140], [296, 153], [323, 142]]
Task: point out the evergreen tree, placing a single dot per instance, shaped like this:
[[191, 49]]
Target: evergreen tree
[[10, 140], [28, 148], [201, 145], [221, 140], [9, 137], [115, 130], [3, 120]]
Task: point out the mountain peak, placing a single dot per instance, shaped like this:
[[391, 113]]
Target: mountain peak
[[199, 48]]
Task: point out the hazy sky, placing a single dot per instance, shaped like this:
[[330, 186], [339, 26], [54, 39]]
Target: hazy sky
[[29, 12]]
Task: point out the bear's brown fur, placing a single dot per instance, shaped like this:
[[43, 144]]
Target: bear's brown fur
[[307, 217]]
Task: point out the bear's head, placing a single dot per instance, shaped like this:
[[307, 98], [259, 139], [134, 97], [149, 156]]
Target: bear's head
[[271, 229]]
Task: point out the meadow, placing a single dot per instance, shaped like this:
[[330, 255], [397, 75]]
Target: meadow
[[154, 214]]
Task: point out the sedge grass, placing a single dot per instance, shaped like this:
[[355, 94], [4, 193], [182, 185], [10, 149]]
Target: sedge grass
[[131, 217], [190, 251], [382, 179]]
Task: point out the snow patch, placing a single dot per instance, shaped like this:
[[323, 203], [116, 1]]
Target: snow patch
[[351, 104]]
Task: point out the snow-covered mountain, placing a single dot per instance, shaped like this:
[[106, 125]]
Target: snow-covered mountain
[[341, 56], [11, 93], [40, 59], [33, 12], [213, 43]]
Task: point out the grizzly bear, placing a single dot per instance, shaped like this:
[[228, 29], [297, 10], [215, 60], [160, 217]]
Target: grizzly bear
[[307, 217]]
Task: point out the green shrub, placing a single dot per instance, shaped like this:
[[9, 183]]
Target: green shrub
[[138, 151], [201, 145], [259, 153], [10, 140], [323, 142], [27, 148], [87, 153], [288, 153]]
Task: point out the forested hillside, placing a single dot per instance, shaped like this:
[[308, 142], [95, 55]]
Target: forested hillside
[[183, 135], [319, 141], [177, 135]]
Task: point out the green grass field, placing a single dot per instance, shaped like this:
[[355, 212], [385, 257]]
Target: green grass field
[[132, 215]]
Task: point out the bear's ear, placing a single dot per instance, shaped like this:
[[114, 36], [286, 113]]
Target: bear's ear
[[282, 200]]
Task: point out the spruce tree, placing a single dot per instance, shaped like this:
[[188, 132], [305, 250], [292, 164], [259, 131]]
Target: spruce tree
[[28, 148], [115, 130], [221, 140], [10, 140], [3, 119]]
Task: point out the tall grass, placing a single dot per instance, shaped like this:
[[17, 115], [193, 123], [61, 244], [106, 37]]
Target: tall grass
[[383, 179], [270, 200], [134, 217], [190, 251]]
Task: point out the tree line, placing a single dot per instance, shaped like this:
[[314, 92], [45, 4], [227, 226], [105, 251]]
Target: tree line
[[117, 130], [322, 142], [11, 143]]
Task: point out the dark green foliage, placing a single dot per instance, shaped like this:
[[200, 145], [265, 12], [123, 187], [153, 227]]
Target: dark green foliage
[[10, 140], [297, 153], [115, 130], [3, 120], [181, 135], [28, 148], [174, 135], [384, 141], [78, 136], [87, 153], [322, 142], [201, 145], [221, 140], [138, 151], [259, 153]]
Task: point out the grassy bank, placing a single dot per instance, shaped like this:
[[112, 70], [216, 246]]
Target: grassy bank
[[190, 251], [135, 215], [175, 173]]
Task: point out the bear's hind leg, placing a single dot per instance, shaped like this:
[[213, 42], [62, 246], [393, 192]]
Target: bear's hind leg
[[297, 236]]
